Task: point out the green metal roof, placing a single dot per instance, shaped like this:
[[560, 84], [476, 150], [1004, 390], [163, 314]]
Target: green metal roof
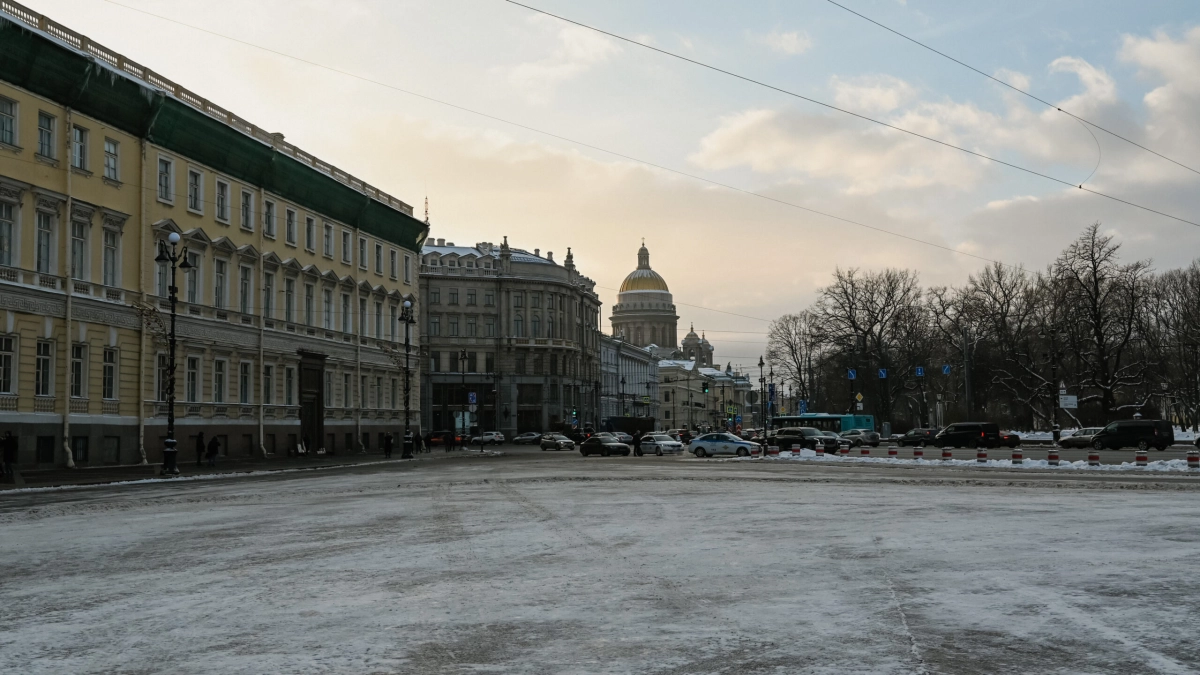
[[34, 61]]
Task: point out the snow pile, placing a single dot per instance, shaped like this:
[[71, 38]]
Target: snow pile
[[1181, 435], [934, 460]]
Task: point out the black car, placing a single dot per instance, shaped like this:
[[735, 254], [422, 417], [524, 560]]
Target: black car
[[918, 438], [603, 446], [969, 435], [803, 437], [1140, 434]]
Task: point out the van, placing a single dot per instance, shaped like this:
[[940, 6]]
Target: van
[[1140, 434], [969, 435]]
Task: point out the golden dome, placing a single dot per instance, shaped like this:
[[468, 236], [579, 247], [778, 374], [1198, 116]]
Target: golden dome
[[644, 278]]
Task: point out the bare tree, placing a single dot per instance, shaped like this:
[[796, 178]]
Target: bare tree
[[793, 344]]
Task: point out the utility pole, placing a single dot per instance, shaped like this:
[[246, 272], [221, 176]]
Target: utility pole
[[966, 336]]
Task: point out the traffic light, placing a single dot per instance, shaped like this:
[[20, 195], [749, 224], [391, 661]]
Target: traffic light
[[574, 412], [706, 387]]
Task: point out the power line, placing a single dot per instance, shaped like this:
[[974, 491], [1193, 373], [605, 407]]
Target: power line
[[1013, 87], [872, 120], [582, 144]]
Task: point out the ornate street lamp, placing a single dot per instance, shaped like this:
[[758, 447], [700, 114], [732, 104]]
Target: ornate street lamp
[[762, 405], [406, 316], [622, 396], [177, 259]]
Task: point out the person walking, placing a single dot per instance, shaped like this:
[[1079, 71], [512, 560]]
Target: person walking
[[8, 448], [199, 448], [637, 443], [387, 445], [214, 446]]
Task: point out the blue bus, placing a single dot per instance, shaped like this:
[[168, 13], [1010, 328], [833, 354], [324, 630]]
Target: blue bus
[[825, 422]]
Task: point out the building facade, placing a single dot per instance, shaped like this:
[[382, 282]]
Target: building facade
[[629, 383], [516, 330], [698, 397], [645, 311], [288, 319]]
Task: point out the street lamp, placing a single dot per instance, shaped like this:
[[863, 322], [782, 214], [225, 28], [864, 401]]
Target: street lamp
[[647, 401], [179, 259], [762, 404], [622, 396], [406, 316], [596, 405]]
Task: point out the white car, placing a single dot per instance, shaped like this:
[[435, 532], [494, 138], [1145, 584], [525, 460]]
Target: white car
[[721, 443], [660, 444], [623, 437], [488, 438]]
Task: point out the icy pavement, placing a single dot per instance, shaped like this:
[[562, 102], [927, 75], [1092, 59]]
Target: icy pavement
[[654, 568], [1170, 465]]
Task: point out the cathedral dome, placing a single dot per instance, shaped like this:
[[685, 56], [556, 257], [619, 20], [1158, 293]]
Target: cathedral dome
[[644, 278]]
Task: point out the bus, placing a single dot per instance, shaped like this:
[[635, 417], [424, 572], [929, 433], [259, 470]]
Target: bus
[[825, 422]]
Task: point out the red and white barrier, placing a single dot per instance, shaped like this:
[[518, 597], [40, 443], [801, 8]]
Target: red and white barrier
[[1140, 458], [918, 453], [1052, 458], [843, 451], [947, 454], [1194, 459], [981, 455], [1093, 457], [773, 450], [820, 449], [892, 452], [1018, 457], [864, 451]]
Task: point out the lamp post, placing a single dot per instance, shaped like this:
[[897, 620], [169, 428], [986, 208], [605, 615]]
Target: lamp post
[[1053, 356], [622, 396], [406, 317], [770, 390], [647, 400], [596, 405], [170, 466], [762, 405]]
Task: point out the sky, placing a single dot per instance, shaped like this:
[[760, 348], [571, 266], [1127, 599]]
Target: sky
[[733, 260]]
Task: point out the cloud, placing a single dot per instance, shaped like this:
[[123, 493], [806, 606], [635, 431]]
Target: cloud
[[790, 43], [578, 50], [873, 93], [1173, 105]]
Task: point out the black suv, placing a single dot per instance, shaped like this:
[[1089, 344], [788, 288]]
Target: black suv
[[969, 435], [917, 438], [804, 437], [1140, 434]]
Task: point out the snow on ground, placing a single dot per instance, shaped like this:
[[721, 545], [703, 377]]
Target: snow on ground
[[935, 460], [1181, 435], [688, 568]]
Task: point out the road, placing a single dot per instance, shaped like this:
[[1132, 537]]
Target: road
[[552, 563]]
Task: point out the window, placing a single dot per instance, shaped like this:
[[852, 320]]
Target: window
[[192, 277], [289, 220], [8, 122], [310, 234], [269, 219], [435, 326], [362, 252], [45, 135], [435, 361], [535, 326], [289, 299], [192, 382], [309, 301], [378, 392], [520, 364], [268, 381], [112, 167], [218, 394], [392, 323], [453, 296], [244, 383], [407, 270], [223, 201], [347, 394], [489, 360], [268, 293], [163, 372], [471, 332], [471, 297], [392, 263], [535, 300], [518, 326], [328, 244], [219, 283], [45, 244], [247, 210], [244, 289], [378, 258], [345, 313], [379, 321], [327, 308], [346, 247], [489, 327], [328, 389], [43, 382], [489, 299], [362, 316], [79, 250], [395, 400], [195, 191], [112, 242], [164, 278], [166, 180], [435, 296], [518, 299], [453, 326], [472, 362], [362, 392], [6, 365], [79, 142], [7, 227]]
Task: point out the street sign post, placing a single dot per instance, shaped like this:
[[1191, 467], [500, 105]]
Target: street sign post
[[471, 398], [859, 404], [851, 374], [1067, 402], [883, 373], [946, 369], [803, 406], [920, 371], [858, 397], [472, 407], [738, 419]]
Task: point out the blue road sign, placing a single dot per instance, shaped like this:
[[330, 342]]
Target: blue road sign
[[920, 371], [946, 369], [738, 419], [471, 398], [771, 392], [803, 406], [883, 373], [851, 374]]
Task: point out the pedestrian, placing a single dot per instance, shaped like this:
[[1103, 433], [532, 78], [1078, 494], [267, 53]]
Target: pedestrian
[[199, 448], [214, 446], [387, 445], [637, 443], [8, 446]]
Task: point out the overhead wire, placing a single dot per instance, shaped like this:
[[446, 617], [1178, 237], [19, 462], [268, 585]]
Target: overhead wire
[[861, 116], [1013, 87]]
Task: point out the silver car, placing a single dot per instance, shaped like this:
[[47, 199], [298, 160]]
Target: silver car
[[721, 443], [660, 444]]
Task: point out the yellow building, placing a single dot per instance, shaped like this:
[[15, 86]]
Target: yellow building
[[289, 320]]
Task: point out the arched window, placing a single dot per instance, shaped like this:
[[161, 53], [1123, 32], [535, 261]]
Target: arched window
[[518, 326], [535, 326]]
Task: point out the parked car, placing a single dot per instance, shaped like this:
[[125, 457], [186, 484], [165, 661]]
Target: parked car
[[603, 445], [1140, 434], [721, 443], [859, 437], [842, 441], [488, 438], [528, 438], [660, 444], [557, 442], [789, 438], [918, 438], [443, 438], [1080, 438], [969, 435], [1009, 439], [623, 437]]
